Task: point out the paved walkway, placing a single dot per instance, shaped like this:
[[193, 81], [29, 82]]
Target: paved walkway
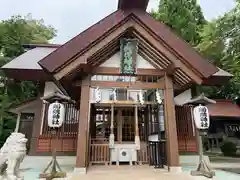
[[32, 166], [132, 173]]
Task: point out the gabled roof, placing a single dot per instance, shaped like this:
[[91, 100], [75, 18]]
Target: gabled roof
[[29, 59], [76, 46], [86, 38], [224, 108], [27, 63], [137, 4]]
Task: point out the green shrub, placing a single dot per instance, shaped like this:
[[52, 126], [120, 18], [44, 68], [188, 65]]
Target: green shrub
[[229, 148]]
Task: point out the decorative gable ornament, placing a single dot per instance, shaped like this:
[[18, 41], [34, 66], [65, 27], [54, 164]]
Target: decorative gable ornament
[[201, 117], [158, 97], [98, 95], [141, 97], [56, 115]]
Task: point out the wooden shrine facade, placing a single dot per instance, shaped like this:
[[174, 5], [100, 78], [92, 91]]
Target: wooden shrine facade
[[67, 142], [130, 53], [122, 111]]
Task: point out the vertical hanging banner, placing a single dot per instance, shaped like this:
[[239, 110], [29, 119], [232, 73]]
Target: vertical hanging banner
[[128, 50]]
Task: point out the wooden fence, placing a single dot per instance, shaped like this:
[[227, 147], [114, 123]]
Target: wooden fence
[[70, 125], [67, 140], [185, 129]]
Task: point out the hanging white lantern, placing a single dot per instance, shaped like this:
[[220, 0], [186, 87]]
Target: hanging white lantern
[[98, 96], [56, 115], [141, 97], [158, 97], [201, 117]]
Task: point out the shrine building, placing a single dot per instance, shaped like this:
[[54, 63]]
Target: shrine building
[[124, 82]]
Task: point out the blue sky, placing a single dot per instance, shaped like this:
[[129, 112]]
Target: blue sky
[[70, 17]]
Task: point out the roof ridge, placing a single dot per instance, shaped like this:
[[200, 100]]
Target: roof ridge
[[52, 67]]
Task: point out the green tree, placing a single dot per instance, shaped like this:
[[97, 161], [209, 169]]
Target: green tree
[[185, 17], [220, 42], [15, 32], [19, 30]]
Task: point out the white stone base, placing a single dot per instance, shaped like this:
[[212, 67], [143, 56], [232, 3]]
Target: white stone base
[[174, 169], [80, 171], [137, 142]]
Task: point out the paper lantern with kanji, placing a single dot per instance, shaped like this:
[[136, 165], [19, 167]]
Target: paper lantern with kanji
[[201, 117], [56, 115]]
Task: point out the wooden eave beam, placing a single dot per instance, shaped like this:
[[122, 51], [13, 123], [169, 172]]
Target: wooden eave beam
[[88, 53], [164, 44], [155, 44], [129, 85]]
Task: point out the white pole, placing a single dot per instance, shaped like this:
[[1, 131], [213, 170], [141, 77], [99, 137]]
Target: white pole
[[137, 138], [43, 116], [111, 137], [18, 122]]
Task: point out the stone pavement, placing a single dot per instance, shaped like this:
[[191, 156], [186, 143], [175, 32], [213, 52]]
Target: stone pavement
[[33, 165], [133, 172]]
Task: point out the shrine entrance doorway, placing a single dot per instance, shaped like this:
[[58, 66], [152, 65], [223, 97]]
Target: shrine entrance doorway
[[123, 109], [119, 136]]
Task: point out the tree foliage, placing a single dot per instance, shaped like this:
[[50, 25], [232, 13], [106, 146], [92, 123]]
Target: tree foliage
[[218, 40], [15, 32], [185, 17], [220, 43]]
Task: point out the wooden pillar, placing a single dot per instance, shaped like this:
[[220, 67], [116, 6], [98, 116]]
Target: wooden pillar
[[83, 129], [111, 137], [137, 138], [170, 124], [194, 93], [36, 127], [43, 115], [146, 123], [119, 125]]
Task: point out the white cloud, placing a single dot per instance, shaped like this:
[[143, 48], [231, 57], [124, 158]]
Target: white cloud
[[70, 17]]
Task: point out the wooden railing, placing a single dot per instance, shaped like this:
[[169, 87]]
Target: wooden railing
[[185, 129], [99, 154], [158, 155], [143, 154], [63, 144], [70, 125]]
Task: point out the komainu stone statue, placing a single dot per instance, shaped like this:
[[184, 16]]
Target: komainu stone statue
[[12, 154]]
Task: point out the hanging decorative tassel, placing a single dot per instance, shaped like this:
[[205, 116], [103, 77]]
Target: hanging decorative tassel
[[97, 95], [114, 94], [141, 97], [158, 97]]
